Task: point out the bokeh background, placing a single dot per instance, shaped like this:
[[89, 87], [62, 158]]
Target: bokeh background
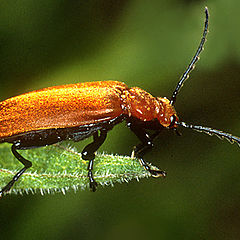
[[146, 44]]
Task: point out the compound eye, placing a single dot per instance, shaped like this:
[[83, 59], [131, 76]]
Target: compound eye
[[173, 120]]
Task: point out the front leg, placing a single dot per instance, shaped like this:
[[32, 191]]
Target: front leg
[[145, 146], [88, 153]]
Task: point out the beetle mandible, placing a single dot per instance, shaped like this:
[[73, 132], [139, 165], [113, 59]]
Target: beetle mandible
[[78, 111]]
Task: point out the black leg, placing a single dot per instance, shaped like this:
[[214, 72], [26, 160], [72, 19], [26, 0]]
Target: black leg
[[145, 146], [88, 153], [27, 164]]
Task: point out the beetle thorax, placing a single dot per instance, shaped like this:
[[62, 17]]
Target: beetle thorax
[[142, 105]]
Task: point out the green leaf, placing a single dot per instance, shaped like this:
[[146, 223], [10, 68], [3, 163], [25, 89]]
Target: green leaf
[[58, 168]]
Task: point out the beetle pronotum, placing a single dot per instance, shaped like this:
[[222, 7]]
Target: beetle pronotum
[[78, 111]]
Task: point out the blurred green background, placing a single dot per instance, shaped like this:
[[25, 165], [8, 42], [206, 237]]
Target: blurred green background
[[146, 44]]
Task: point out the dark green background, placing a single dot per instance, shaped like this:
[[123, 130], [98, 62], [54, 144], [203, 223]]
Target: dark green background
[[146, 44]]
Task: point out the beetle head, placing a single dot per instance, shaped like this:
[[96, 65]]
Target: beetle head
[[166, 113]]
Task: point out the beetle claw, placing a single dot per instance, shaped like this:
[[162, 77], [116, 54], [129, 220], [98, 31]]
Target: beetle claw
[[93, 185], [158, 173]]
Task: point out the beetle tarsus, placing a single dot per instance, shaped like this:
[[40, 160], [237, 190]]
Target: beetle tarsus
[[154, 173], [92, 183], [157, 173], [6, 188]]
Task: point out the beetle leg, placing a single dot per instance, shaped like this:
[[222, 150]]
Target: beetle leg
[[146, 139], [27, 164], [142, 148], [88, 153]]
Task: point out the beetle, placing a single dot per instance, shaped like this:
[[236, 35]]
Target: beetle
[[78, 111]]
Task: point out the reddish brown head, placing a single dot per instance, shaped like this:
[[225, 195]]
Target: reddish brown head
[[167, 115]]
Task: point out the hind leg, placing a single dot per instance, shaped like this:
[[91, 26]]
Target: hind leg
[[27, 164]]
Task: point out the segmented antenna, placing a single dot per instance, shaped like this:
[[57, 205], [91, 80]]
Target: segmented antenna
[[194, 60], [210, 131]]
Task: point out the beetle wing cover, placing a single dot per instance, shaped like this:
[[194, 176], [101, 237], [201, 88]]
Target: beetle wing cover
[[61, 107]]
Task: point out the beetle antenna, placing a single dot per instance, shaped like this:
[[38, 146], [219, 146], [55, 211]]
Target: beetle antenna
[[210, 131], [193, 61]]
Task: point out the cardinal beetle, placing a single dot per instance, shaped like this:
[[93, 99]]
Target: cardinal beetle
[[78, 111]]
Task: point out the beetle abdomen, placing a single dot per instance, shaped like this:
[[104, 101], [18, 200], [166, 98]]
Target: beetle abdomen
[[61, 107], [44, 137]]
